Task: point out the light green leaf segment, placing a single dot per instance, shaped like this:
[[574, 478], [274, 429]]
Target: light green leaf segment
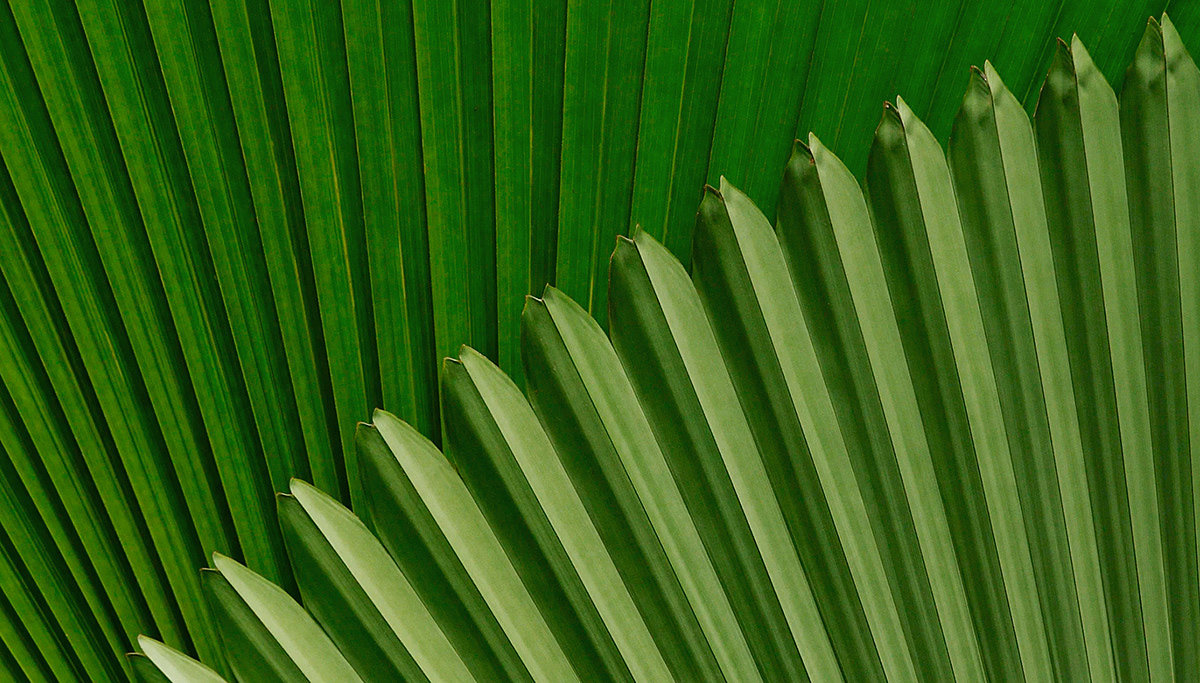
[[940, 428]]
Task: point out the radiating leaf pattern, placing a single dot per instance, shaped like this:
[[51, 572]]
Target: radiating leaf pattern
[[881, 439], [942, 427]]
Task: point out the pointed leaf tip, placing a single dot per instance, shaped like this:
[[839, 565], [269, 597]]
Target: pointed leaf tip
[[989, 71], [1167, 24]]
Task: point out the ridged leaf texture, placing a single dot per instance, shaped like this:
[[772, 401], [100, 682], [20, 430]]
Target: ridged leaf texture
[[940, 428]]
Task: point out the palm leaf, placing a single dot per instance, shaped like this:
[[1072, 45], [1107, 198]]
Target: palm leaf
[[879, 440], [228, 229]]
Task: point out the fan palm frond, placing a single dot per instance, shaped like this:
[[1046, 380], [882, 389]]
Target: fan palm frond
[[937, 429]]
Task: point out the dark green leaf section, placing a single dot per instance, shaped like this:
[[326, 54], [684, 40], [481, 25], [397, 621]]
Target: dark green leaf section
[[603, 82]]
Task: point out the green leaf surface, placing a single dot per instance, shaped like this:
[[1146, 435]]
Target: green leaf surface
[[467, 531], [826, 235], [618, 422], [283, 619], [666, 313], [942, 431], [992, 155], [410, 534], [177, 667], [605, 58], [742, 279], [455, 95], [1087, 211]]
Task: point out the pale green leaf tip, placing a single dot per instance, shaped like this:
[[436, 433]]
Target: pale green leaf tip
[[475, 362], [1171, 39], [730, 188], [645, 239], [465, 351], [1079, 52], [992, 76]]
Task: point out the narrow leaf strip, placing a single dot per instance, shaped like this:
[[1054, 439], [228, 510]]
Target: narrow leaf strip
[[299, 636], [566, 514], [825, 231], [625, 423], [475, 543], [176, 666]]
